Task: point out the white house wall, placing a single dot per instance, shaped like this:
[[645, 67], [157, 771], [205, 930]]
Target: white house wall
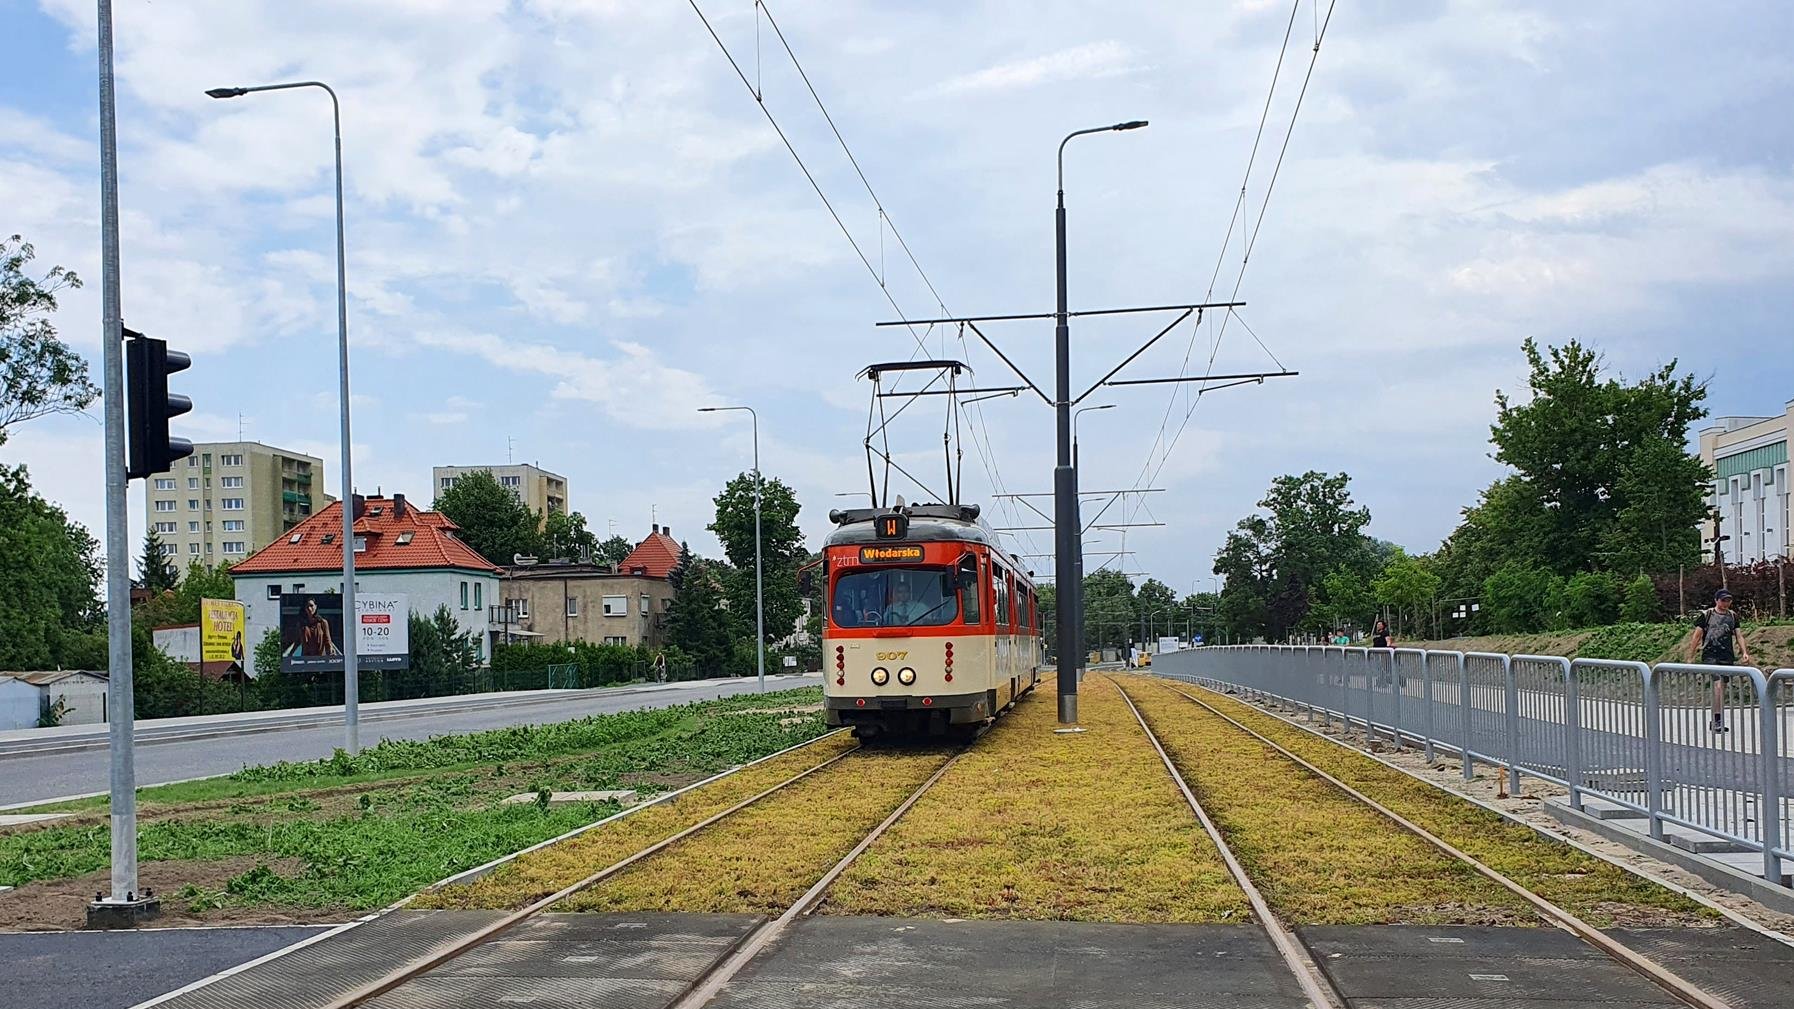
[[426, 590]]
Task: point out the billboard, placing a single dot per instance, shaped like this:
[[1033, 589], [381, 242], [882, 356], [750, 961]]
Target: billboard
[[221, 624], [311, 632]]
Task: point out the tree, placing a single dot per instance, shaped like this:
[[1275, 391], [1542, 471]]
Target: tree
[[49, 612], [564, 535], [1587, 449], [1275, 563], [1591, 599], [612, 551], [181, 606], [1109, 609], [494, 521], [1346, 601], [1663, 492], [1406, 586], [696, 623], [440, 652], [1640, 603], [155, 572], [782, 551], [1156, 603], [1519, 598], [39, 374]]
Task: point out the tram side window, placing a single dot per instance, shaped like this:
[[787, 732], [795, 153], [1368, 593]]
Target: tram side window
[[999, 594], [969, 590]]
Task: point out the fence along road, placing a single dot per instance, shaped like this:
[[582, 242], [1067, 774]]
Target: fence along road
[[1635, 735]]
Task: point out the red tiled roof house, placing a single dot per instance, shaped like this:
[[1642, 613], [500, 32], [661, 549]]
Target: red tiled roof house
[[398, 549]]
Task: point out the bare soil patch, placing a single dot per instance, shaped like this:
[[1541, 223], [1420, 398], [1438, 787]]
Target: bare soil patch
[[62, 904]]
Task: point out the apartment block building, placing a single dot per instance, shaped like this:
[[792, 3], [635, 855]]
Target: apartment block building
[[1749, 456], [231, 498], [543, 492]]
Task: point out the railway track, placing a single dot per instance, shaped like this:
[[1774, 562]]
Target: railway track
[[1314, 982], [711, 982]]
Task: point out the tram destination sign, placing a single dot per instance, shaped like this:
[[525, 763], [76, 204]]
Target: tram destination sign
[[891, 555]]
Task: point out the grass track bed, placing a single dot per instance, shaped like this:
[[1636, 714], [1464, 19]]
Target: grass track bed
[[540, 873], [1034, 825], [1597, 891], [1319, 856], [762, 859]]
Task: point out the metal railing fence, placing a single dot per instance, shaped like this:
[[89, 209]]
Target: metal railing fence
[[1636, 736]]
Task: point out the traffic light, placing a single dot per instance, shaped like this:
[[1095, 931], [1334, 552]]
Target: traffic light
[[148, 405]]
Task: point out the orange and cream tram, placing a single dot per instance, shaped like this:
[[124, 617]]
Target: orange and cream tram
[[931, 626]]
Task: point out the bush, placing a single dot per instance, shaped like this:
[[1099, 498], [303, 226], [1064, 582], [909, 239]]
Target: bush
[[1591, 599], [1640, 604]]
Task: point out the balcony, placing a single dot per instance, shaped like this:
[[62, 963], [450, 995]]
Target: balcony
[[295, 497]]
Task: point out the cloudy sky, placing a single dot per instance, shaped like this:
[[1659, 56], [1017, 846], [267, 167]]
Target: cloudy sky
[[570, 226]]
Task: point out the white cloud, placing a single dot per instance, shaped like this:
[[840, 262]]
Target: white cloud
[[1086, 62]]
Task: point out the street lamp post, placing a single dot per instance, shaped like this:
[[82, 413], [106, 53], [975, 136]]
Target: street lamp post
[[1083, 653], [759, 585], [351, 620], [1067, 536]]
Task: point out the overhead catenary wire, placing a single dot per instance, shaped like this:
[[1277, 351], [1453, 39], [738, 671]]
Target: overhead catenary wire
[[1149, 471], [987, 458]]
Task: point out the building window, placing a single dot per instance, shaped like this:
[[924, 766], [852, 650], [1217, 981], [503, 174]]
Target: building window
[[520, 608], [165, 506], [233, 525], [463, 594], [192, 461], [193, 527], [193, 548], [192, 504], [511, 481], [647, 606], [361, 547], [231, 504], [573, 606], [615, 639], [168, 549], [233, 546], [447, 482], [193, 483], [616, 606], [231, 482], [273, 592], [477, 604], [164, 483], [230, 460], [166, 527]]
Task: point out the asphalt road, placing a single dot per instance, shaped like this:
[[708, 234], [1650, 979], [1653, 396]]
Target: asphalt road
[[113, 970], [35, 778]]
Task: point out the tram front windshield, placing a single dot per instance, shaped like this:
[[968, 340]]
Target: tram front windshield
[[895, 597]]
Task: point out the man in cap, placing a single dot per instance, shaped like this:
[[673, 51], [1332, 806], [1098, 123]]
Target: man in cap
[[1715, 631]]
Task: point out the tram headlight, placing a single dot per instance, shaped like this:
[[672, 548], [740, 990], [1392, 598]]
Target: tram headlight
[[881, 676], [906, 676]]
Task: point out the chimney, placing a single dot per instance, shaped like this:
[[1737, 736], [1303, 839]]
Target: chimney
[[359, 504], [657, 527], [398, 506], [666, 530]]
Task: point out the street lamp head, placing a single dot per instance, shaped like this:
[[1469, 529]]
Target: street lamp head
[[227, 92], [1132, 124], [707, 409]]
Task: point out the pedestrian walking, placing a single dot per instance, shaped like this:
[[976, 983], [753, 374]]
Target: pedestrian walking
[[1380, 636], [1718, 642]]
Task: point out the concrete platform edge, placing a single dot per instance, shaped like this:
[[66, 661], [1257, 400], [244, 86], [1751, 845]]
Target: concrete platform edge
[[1755, 887]]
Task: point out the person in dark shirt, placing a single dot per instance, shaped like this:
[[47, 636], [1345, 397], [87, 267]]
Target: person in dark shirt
[[1380, 636], [1715, 631]]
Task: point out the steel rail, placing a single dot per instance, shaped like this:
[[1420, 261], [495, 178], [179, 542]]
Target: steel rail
[[711, 984], [462, 944], [1685, 990], [1315, 985]]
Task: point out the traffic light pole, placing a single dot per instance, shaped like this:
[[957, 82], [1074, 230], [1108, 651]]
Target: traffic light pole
[[123, 905]]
